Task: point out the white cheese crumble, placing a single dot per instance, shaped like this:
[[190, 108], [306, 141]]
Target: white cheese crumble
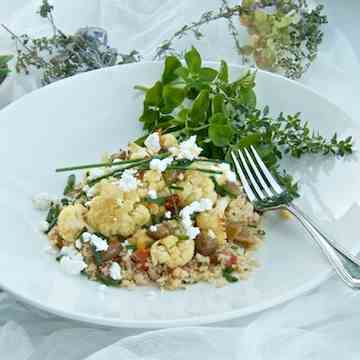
[[128, 181], [153, 228], [211, 234], [71, 261], [188, 211], [89, 191], [160, 164], [187, 149], [152, 143], [115, 271], [168, 215], [99, 243], [78, 244], [152, 194], [43, 226], [228, 173], [42, 201]]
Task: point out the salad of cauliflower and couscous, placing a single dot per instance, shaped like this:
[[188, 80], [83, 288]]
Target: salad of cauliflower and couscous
[[158, 214]]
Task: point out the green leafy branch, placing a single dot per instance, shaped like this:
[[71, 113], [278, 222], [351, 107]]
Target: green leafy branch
[[192, 99]]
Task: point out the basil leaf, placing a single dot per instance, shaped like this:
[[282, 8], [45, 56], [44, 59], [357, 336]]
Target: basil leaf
[[218, 104], [153, 96], [207, 74], [150, 118], [183, 72], [193, 60], [70, 184], [171, 64], [223, 72], [227, 274], [220, 132], [200, 107], [173, 97], [247, 97]]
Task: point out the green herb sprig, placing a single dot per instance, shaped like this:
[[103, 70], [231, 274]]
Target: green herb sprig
[[192, 99]]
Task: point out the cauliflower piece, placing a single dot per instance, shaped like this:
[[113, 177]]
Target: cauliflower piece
[[241, 211], [141, 239], [167, 141], [153, 180], [212, 222], [116, 216], [172, 252], [136, 152], [71, 222], [196, 186]]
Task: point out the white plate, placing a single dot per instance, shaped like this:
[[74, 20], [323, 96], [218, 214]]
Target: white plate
[[74, 121]]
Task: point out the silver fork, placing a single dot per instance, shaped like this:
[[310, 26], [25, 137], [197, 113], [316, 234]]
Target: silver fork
[[266, 194]]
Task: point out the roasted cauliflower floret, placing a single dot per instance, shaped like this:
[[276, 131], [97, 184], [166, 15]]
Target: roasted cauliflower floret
[[196, 186], [141, 239], [167, 141], [136, 152], [241, 211], [153, 180], [172, 252], [71, 222], [116, 216], [211, 222]]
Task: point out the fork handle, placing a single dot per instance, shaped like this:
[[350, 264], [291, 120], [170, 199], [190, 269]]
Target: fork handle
[[346, 265]]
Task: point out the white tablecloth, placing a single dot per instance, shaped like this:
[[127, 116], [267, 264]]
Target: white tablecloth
[[322, 325]]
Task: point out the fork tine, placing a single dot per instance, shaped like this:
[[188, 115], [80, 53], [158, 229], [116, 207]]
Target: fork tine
[[249, 192], [258, 174], [249, 174], [266, 172]]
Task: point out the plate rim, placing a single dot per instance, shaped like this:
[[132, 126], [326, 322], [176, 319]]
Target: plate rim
[[191, 320]]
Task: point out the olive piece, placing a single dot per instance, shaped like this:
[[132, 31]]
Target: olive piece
[[112, 251], [205, 245], [162, 230]]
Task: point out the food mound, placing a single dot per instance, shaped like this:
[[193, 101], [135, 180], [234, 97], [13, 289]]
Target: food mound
[[158, 214]]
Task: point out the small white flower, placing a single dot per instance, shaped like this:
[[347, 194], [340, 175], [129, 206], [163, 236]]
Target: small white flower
[[128, 181], [115, 271], [42, 201], [160, 164], [188, 149], [168, 215], [152, 194], [152, 143]]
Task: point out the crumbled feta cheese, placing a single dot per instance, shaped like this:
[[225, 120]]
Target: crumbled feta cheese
[[211, 234], [89, 191], [73, 264], [188, 211], [187, 149], [78, 244], [128, 181], [168, 215], [152, 143], [115, 271], [160, 164], [228, 173], [42, 201], [153, 228], [152, 194], [99, 243], [43, 226]]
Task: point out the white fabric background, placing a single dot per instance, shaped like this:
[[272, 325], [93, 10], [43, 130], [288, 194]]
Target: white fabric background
[[322, 325]]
